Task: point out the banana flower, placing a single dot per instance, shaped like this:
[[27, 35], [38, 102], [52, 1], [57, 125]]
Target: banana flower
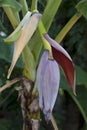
[[48, 75]]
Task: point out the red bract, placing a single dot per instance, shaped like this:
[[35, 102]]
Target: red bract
[[64, 60], [47, 81]]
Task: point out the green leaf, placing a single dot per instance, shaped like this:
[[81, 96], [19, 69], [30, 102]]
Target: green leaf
[[11, 3], [82, 7]]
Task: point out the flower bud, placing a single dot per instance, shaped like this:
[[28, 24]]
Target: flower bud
[[47, 80]]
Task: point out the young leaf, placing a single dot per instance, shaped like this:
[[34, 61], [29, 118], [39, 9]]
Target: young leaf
[[27, 31]]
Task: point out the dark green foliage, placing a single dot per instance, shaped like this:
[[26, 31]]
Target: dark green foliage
[[75, 43], [82, 7], [13, 4], [10, 114]]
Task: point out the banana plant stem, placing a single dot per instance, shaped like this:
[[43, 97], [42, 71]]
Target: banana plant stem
[[45, 42], [11, 17], [67, 27], [24, 6], [34, 5]]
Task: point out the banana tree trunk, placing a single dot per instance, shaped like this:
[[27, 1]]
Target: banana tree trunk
[[29, 105]]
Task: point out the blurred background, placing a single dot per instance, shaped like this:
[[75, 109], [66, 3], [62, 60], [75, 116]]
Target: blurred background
[[70, 111]]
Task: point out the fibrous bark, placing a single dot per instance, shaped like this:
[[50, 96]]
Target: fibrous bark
[[29, 105]]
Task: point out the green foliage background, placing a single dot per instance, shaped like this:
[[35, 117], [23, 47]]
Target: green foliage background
[[75, 43]]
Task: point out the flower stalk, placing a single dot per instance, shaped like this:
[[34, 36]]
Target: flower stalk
[[34, 5], [45, 42]]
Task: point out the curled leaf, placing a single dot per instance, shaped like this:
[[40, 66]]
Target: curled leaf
[[27, 31], [17, 32]]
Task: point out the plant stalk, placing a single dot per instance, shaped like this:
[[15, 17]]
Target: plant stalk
[[49, 12], [45, 42], [67, 27], [11, 17], [34, 5], [24, 6]]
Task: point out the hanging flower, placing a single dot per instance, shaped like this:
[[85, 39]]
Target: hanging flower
[[48, 76]]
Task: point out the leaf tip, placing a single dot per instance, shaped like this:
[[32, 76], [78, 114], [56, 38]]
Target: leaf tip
[[73, 84], [10, 71], [74, 91], [8, 76]]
